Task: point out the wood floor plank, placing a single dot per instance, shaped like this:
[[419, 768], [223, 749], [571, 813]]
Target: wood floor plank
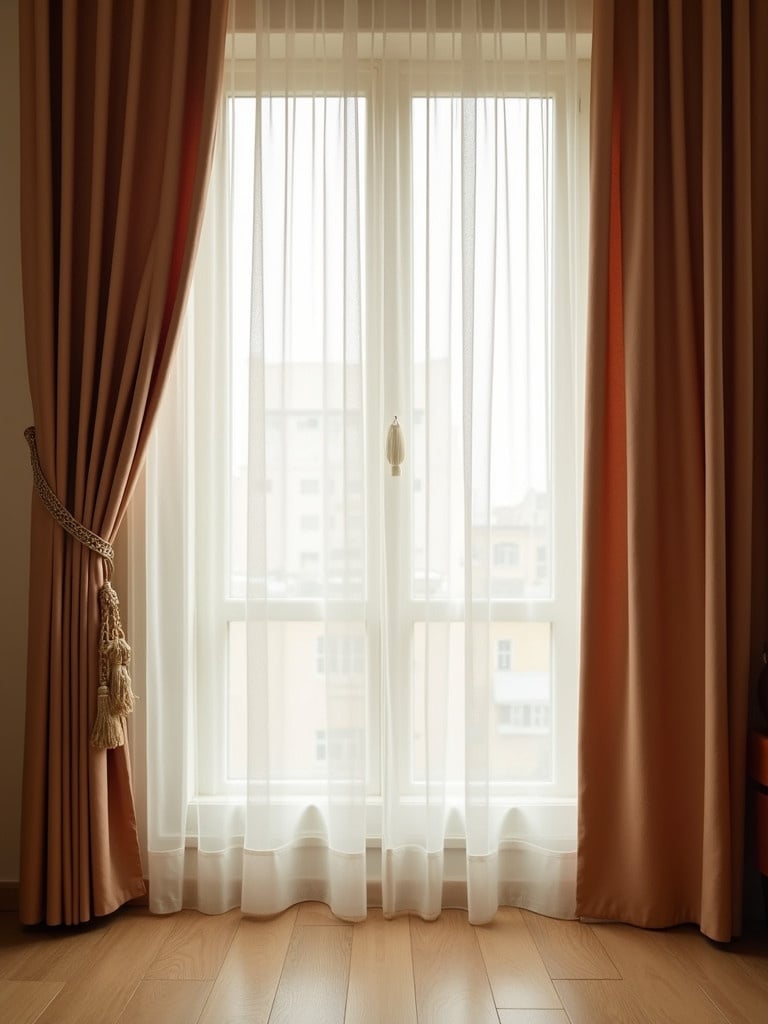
[[449, 973], [377, 972], [22, 1002], [196, 947], [752, 952], [661, 985], [317, 914], [14, 943], [172, 1002], [516, 972], [603, 1002], [48, 954], [245, 988], [313, 986], [99, 994], [533, 1017], [381, 988], [569, 949], [724, 977]]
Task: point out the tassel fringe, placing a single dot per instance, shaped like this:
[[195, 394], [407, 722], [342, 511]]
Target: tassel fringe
[[107, 729], [116, 698]]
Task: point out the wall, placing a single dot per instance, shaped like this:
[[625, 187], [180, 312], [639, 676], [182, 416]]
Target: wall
[[15, 478]]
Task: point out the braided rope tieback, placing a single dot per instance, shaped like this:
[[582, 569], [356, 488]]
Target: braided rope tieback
[[115, 696]]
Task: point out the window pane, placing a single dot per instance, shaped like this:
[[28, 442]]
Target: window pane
[[508, 215], [315, 701], [302, 364], [520, 703], [521, 746]]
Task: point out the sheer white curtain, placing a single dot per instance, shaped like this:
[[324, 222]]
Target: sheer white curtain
[[361, 688]]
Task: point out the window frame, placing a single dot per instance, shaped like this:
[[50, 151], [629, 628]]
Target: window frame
[[560, 606], [210, 782]]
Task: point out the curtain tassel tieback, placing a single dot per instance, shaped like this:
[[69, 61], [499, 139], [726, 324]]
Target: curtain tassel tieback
[[115, 696], [395, 447]]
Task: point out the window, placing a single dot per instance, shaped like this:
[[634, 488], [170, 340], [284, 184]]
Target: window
[[523, 718], [311, 436], [504, 655], [454, 572], [343, 746], [321, 745], [506, 554], [340, 655]]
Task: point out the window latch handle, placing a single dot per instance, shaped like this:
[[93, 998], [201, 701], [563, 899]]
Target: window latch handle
[[395, 447]]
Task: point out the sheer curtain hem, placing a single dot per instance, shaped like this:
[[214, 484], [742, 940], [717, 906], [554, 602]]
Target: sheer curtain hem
[[263, 883]]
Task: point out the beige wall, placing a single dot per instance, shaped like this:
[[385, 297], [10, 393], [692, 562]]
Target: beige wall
[[15, 478]]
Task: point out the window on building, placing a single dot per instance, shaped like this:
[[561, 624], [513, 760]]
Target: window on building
[[340, 655], [504, 655], [506, 553], [530, 719]]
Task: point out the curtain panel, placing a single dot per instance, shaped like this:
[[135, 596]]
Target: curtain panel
[[675, 505], [361, 686], [118, 106]]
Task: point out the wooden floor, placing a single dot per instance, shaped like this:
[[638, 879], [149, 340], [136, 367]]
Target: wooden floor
[[306, 966]]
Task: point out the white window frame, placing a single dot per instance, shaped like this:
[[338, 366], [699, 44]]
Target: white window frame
[[559, 608]]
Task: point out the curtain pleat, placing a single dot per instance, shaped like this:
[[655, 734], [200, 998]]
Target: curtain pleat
[[117, 121], [671, 489]]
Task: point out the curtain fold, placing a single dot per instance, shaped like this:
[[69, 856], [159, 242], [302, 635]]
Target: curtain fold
[[673, 499], [117, 120], [356, 660]]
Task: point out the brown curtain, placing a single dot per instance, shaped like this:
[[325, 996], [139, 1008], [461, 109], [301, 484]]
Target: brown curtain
[[675, 506], [118, 106]]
